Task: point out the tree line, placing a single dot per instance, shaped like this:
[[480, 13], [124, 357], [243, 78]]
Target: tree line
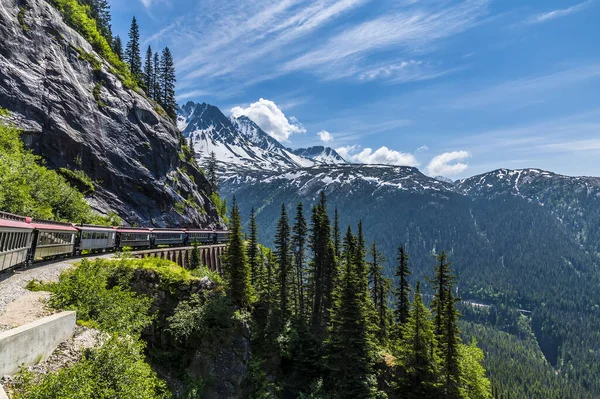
[[323, 319], [156, 75]]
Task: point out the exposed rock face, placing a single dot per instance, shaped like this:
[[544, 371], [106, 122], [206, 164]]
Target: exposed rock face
[[116, 137]]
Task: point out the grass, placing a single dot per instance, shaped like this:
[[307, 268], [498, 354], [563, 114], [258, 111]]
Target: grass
[[79, 179]]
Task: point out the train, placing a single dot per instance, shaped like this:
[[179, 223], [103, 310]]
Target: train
[[25, 240]]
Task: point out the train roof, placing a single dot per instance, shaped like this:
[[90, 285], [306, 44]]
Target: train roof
[[91, 227], [168, 231], [53, 227], [15, 224], [133, 230]]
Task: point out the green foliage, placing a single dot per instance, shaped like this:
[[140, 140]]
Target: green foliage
[[203, 318], [221, 205], [117, 369], [21, 18], [27, 188], [180, 207], [4, 112], [85, 289], [237, 270], [77, 16], [79, 179]]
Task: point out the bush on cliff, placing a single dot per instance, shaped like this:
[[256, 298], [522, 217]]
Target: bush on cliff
[[28, 188]]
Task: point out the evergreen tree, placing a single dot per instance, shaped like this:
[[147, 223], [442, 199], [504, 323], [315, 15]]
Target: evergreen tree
[[192, 151], [149, 72], [195, 258], [253, 255], [349, 359], [167, 83], [322, 272], [132, 53], [211, 167], [337, 234], [117, 47], [156, 89], [237, 271], [283, 254], [402, 301], [300, 231], [417, 353], [442, 282], [360, 259], [450, 343], [379, 289]]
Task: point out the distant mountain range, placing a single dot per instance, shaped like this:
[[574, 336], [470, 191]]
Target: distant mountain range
[[519, 239]]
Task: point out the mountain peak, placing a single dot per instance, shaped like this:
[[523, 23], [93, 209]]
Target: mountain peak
[[320, 154]]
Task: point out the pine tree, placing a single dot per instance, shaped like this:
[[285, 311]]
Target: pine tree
[[253, 256], [283, 254], [192, 151], [337, 239], [156, 89], [117, 47], [442, 281], [450, 343], [149, 72], [418, 354], [349, 359], [167, 83], [237, 271], [195, 258], [402, 301], [379, 289], [132, 53], [211, 167], [299, 248], [322, 271]]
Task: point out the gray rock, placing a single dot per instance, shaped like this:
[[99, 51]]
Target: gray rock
[[120, 141]]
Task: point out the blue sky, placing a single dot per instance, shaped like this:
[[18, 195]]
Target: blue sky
[[453, 87]]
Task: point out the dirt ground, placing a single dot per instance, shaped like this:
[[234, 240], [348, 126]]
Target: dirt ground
[[25, 309]]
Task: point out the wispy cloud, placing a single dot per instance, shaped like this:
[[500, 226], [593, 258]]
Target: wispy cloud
[[404, 30], [448, 164], [545, 17], [381, 156]]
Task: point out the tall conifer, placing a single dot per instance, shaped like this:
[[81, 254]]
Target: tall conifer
[[337, 234], [167, 83], [253, 256], [237, 271], [283, 252], [132, 53], [299, 248], [149, 72], [402, 292], [418, 355], [442, 283], [117, 47], [156, 89]]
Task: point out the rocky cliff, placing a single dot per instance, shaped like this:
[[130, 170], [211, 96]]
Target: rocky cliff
[[78, 115]]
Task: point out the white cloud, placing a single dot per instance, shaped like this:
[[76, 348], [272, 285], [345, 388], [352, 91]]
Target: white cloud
[[382, 156], [536, 19], [405, 71], [422, 148], [325, 136], [270, 118], [448, 163]]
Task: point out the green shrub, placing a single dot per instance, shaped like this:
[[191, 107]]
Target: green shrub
[[85, 289], [79, 179], [180, 207], [221, 205], [21, 18], [203, 318], [77, 16], [117, 369], [27, 188], [4, 112]]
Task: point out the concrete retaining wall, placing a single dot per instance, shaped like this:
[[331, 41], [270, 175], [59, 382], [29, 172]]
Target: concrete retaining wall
[[34, 342]]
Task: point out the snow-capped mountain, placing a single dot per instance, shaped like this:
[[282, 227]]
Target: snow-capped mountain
[[320, 154], [238, 142]]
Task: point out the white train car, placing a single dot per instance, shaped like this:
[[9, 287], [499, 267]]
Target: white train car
[[16, 237], [95, 238]]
